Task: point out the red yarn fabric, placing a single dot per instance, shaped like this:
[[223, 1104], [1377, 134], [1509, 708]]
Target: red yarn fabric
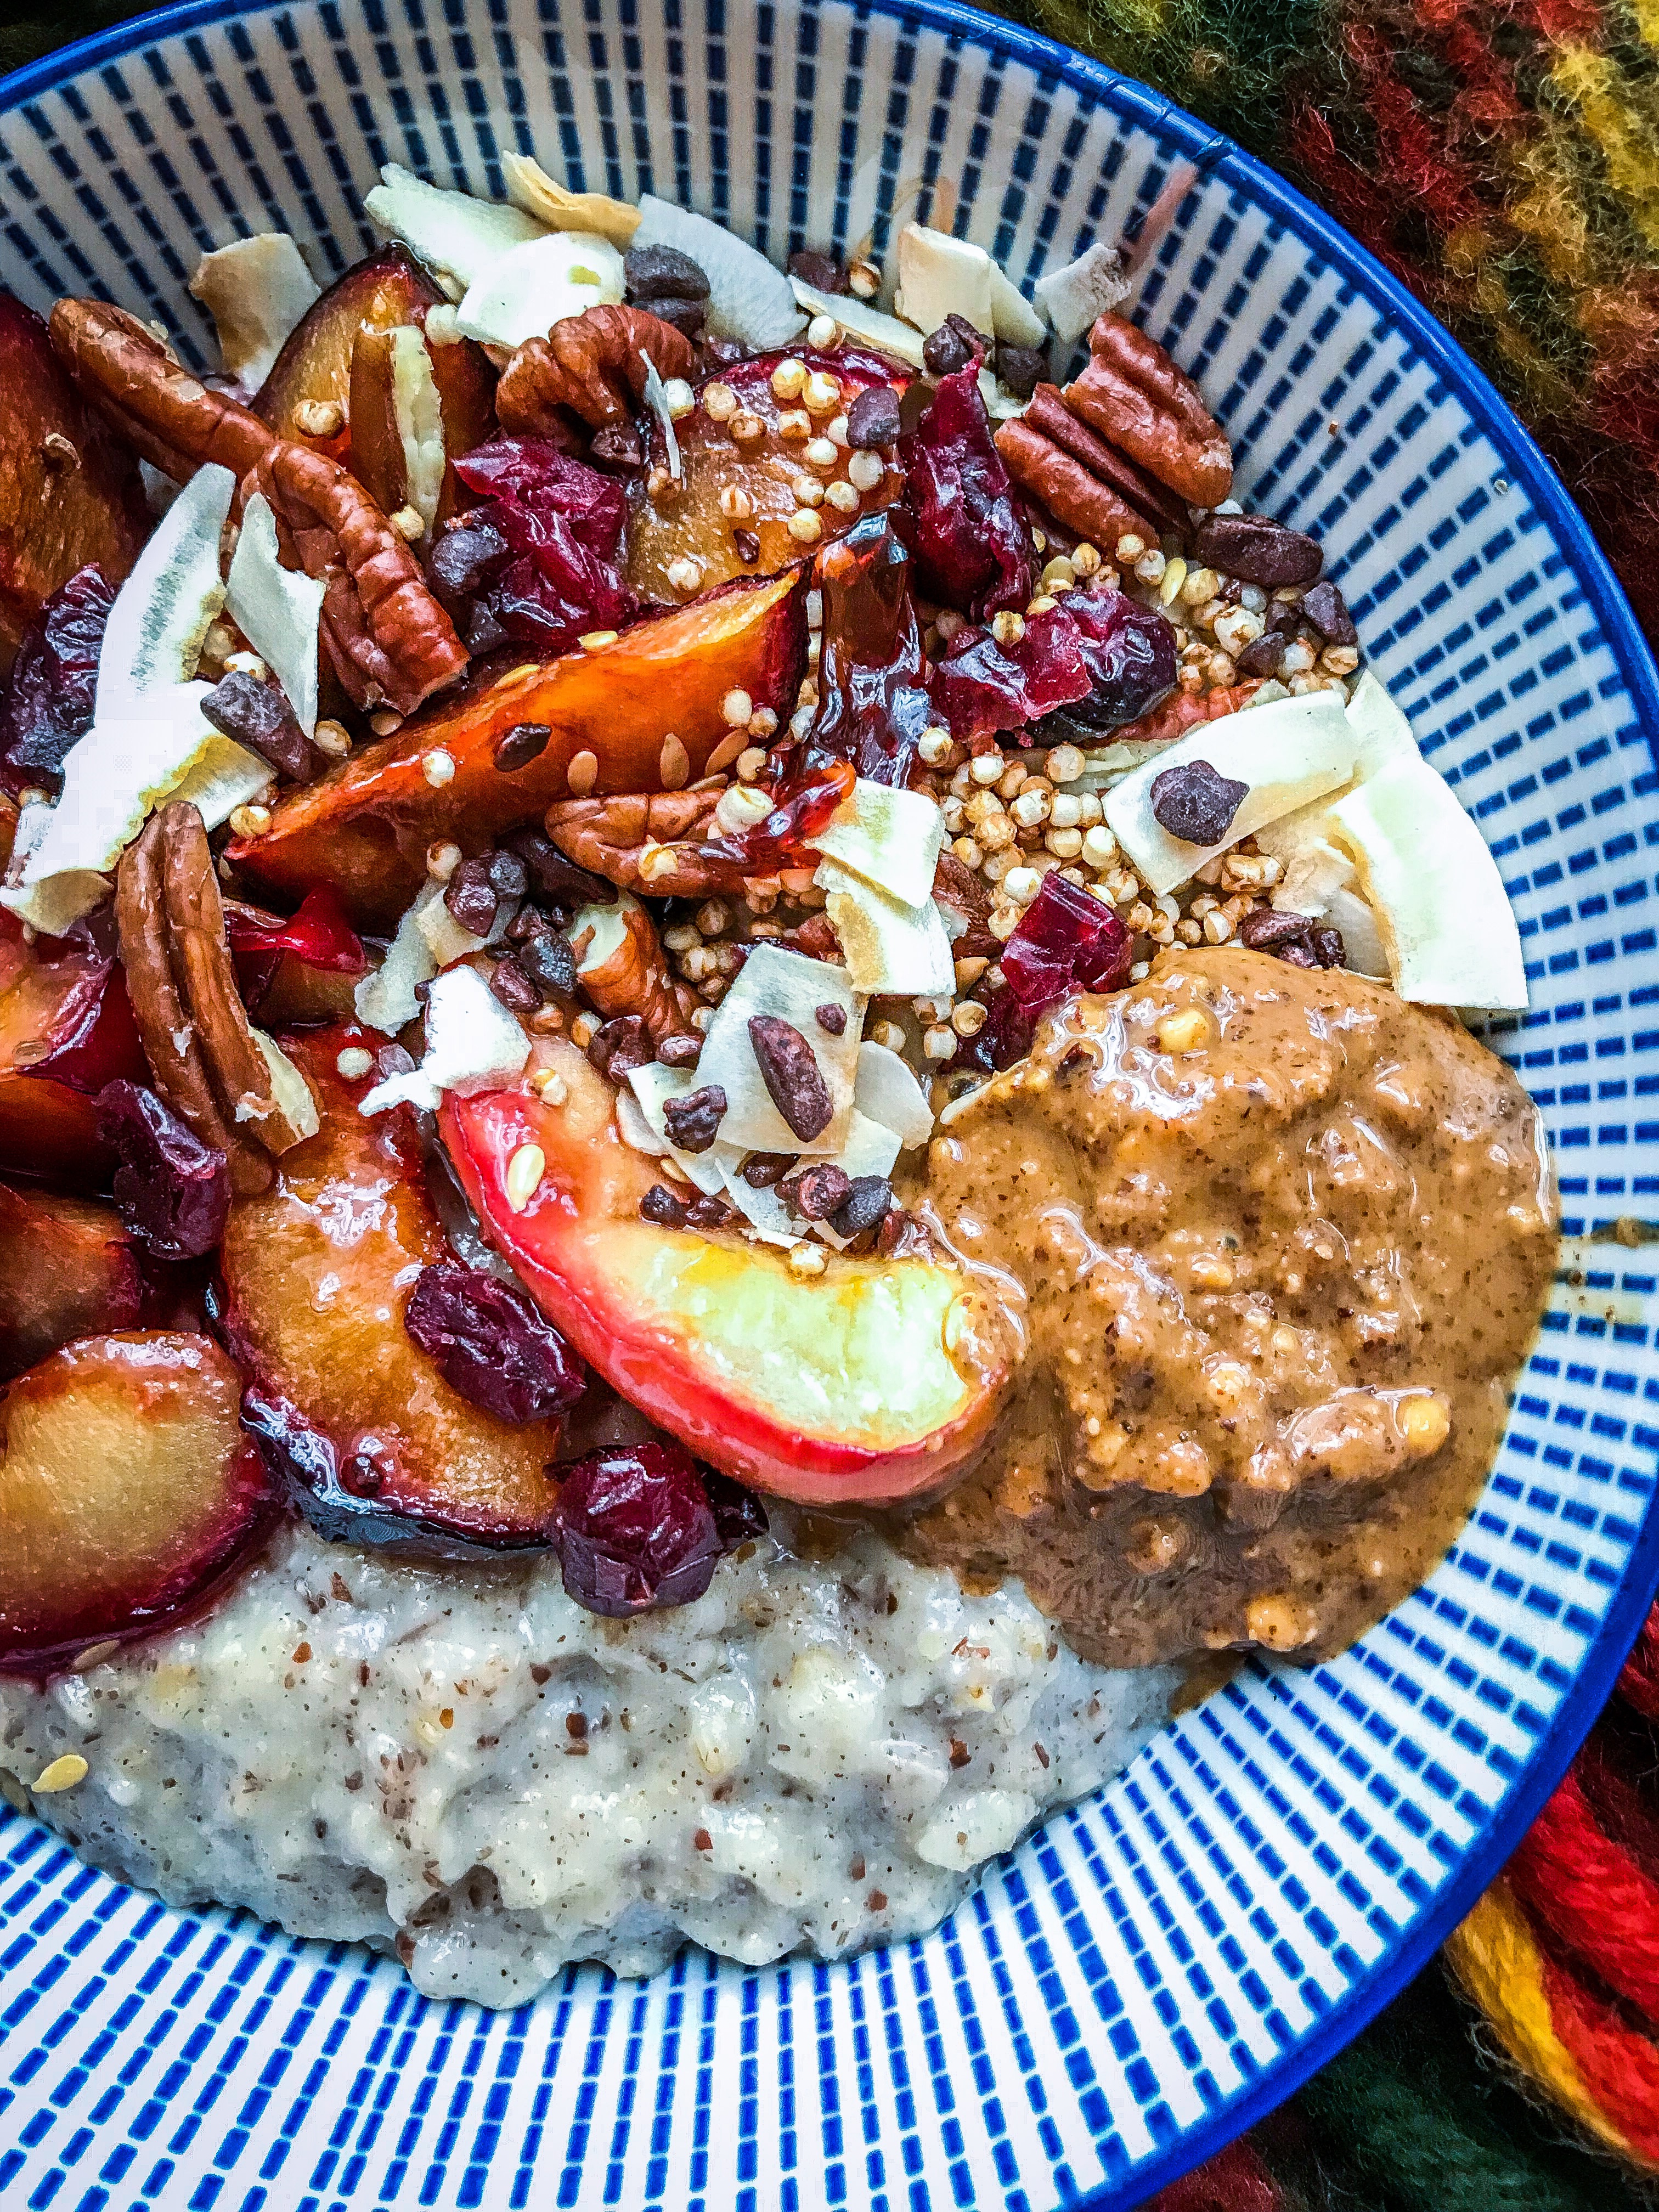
[[1619, 2065], [1638, 1683], [1236, 2181], [1576, 1882]]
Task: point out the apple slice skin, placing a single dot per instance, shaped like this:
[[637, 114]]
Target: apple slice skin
[[54, 519], [364, 828], [373, 1445], [66, 1029], [580, 1245], [128, 1491]]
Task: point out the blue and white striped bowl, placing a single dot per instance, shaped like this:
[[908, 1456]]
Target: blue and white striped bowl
[[1170, 1959]]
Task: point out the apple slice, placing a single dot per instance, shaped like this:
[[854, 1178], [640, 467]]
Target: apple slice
[[66, 1030], [869, 1382], [127, 1490], [69, 492], [364, 827], [374, 1444], [68, 1268]]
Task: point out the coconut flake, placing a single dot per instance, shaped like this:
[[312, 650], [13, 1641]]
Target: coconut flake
[[417, 412], [657, 400], [789, 985], [458, 236], [257, 289], [169, 601], [1072, 297], [939, 277], [61, 901], [887, 1090], [650, 1089], [279, 611], [749, 300], [1012, 315], [860, 320], [891, 949], [525, 290], [764, 1209], [295, 1104], [472, 1044], [530, 187], [1381, 731], [1288, 754], [890, 836], [385, 999]]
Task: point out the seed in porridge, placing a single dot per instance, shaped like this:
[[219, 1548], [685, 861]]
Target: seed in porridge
[[524, 1172], [65, 1772], [1195, 803]]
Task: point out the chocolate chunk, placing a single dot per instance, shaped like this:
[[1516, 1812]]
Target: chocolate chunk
[[868, 1201], [467, 558], [831, 1018], [748, 547], [873, 420], [621, 1045], [258, 716], [1195, 803], [1259, 550], [524, 743], [551, 964], [659, 1205], [815, 1193], [823, 271], [617, 445], [1261, 656], [680, 1051], [393, 1060], [1265, 929], [711, 1212], [470, 896], [762, 1171], [556, 879], [1326, 610], [514, 988], [687, 316], [953, 346], [692, 1122], [662, 272], [791, 1074], [1328, 947], [1020, 368]]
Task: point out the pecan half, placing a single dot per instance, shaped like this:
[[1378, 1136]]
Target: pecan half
[[590, 364], [645, 841], [164, 412], [634, 978], [387, 637], [208, 1064], [1083, 500], [1134, 394], [965, 893]]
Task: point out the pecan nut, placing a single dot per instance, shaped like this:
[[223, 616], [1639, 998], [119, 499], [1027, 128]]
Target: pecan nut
[[164, 412], [387, 637], [633, 978], [590, 364], [1134, 394], [1084, 499], [645, 842], [234, 1088]]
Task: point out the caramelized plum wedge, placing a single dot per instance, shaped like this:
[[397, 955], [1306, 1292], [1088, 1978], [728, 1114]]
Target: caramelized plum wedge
[[66, 1030], [127, 1490], [68, 1268], [744, 448], [69, 492], [318, 1275], [638, 713]]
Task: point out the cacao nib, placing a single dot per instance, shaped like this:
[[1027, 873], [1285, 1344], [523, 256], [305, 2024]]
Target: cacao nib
[[748, 547], [471, 897], [1260, 551], [1265, 929], [1261, 656], [1066, 941], [617, 445], [686, 316], [765, 1171], [867, 1201], [491, 1345], [635, 1529], [470, 554], [873, 420], [660, 1205], [973, 549], [790, 1071], [709, 1212], [172, 1190], [562, 522], [510, 983], [981, 685], [1327, 610], [1020, 368], [831, 1019], [693, 1121], [954, 346], [1129, 652], [901, 1236], [872, 707], [551, 964], [662, 272], [258, 716], [815, 1192], [552, 877], [524, 743], [680, 1051], [1328, 947], [823, 271], [1197, 803], [621, 1045], [47, 703]]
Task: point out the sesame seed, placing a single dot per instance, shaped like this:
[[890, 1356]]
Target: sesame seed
[[582, 774], [524, 1173], [673, 764]]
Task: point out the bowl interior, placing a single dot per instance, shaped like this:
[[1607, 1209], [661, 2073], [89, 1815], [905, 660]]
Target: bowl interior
[[1172, 1955]]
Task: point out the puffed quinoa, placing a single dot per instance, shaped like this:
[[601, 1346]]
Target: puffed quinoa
[[747, 429], [1022, 884], [986, 768], [437, 768], [1007, 627], [1066, 810], [835, 430], [1217, 928], [935, 745], [1150, 565], [1003, 922], [1086, 559], [1339, 660], [804, 526], [1199, 585], [996, 832], [333, 738], [763, 723], [820, 393], [1099, 847], [794, 422], [719, 401], [823, 330], [821, 454], [1032, 807], [1236, 628], [1011, 781], [983, 805], [808, 491], [735, 503], [1064, 844], [969, 1018], [970, 854], [737, 706], [1066, 764], [865, 471], [679, 397], [940, 1041], [1131, 546], [1297, 659], [443, 859], [749, 763], [684, 575], [787, 378], [889, 1034], [953, 813], [864, 280]]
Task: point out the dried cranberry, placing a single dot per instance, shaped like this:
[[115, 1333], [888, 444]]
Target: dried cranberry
[[662, 272], [1129, 652], [173, 1191], [955, 345], [873, 420], [823, 271], [739, 1516], [1197, 803], [866, 1202], [972, 546], [257, 715], [1066, 941], [693, 1121], [872, 707], [981, 685], [1259, 549], [317, 933], [793, 1080], [635, 1530], [491, 1345], [680, 1050], [47, 705], [563, 522]]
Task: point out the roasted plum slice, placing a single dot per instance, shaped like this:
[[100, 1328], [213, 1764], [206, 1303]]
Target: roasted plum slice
[[69, 492], [297, 970], [737, 491], [638, 713], [128, 1490], [68, 1267], [871, 1381], [66, 1030], [317, 1276]]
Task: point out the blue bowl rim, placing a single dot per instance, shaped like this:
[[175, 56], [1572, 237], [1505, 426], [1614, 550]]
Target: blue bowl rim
[[1212, 153]]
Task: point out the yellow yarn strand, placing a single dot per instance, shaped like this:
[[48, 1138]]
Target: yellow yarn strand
[[1645, 13], [1494, 1957], [1626, 138]]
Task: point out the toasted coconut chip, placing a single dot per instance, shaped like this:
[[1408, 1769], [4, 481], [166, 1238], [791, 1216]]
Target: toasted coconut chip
[[1106, 766], [1362, 949], [167, 604], [58, 902], [541, 282], [939, 276], [530, 187], [748, 298], [472, 1044], [1289, 754], [860, 320], [867, 1149], [657, 400], [385, 999], [1380, 732], [888, 1092], [417, 410], [454, 234], [889, 836], [1072, 297], [279, 611], [891, 950], [790, 987], [650, 1089], [1012, 315], [764, 1209], [257, 289], [292, 1115]]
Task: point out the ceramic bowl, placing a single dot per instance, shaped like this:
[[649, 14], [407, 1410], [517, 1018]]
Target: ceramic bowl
[[1165, 1961]]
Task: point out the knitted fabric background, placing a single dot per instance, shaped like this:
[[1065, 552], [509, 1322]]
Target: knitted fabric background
[[1502, 158]]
